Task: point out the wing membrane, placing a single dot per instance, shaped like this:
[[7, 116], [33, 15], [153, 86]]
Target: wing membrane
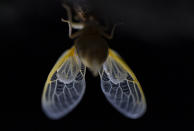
[[121, 87], [65, 85]]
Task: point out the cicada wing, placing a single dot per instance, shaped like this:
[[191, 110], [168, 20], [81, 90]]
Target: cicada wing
[[65, 85], [121, 87]]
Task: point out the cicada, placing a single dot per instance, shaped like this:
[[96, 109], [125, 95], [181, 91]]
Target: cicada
[[65, 85]]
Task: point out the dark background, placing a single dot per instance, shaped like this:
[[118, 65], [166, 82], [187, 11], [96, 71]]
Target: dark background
[[156, 39]]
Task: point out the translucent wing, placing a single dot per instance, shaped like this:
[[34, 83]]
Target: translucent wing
[[65, 85], [121, 87]]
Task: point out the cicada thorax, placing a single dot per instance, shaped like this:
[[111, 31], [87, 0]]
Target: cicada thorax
[[92, 48]]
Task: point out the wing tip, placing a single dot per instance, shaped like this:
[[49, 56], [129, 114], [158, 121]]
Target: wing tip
[[138, 114], [50, 114]]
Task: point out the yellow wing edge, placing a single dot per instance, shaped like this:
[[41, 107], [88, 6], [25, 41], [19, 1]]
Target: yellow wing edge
[[114, 55], [70, 52]]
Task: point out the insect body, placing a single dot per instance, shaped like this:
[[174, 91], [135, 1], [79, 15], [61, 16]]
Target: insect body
[[65, 84], [92, 48]]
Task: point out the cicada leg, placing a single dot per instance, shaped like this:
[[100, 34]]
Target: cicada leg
[[72, 24]]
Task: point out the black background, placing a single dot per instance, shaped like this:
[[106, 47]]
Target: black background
[[156, 39]]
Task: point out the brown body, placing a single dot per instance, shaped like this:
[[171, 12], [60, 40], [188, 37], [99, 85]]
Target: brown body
[[92, 48], [90, 42]]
